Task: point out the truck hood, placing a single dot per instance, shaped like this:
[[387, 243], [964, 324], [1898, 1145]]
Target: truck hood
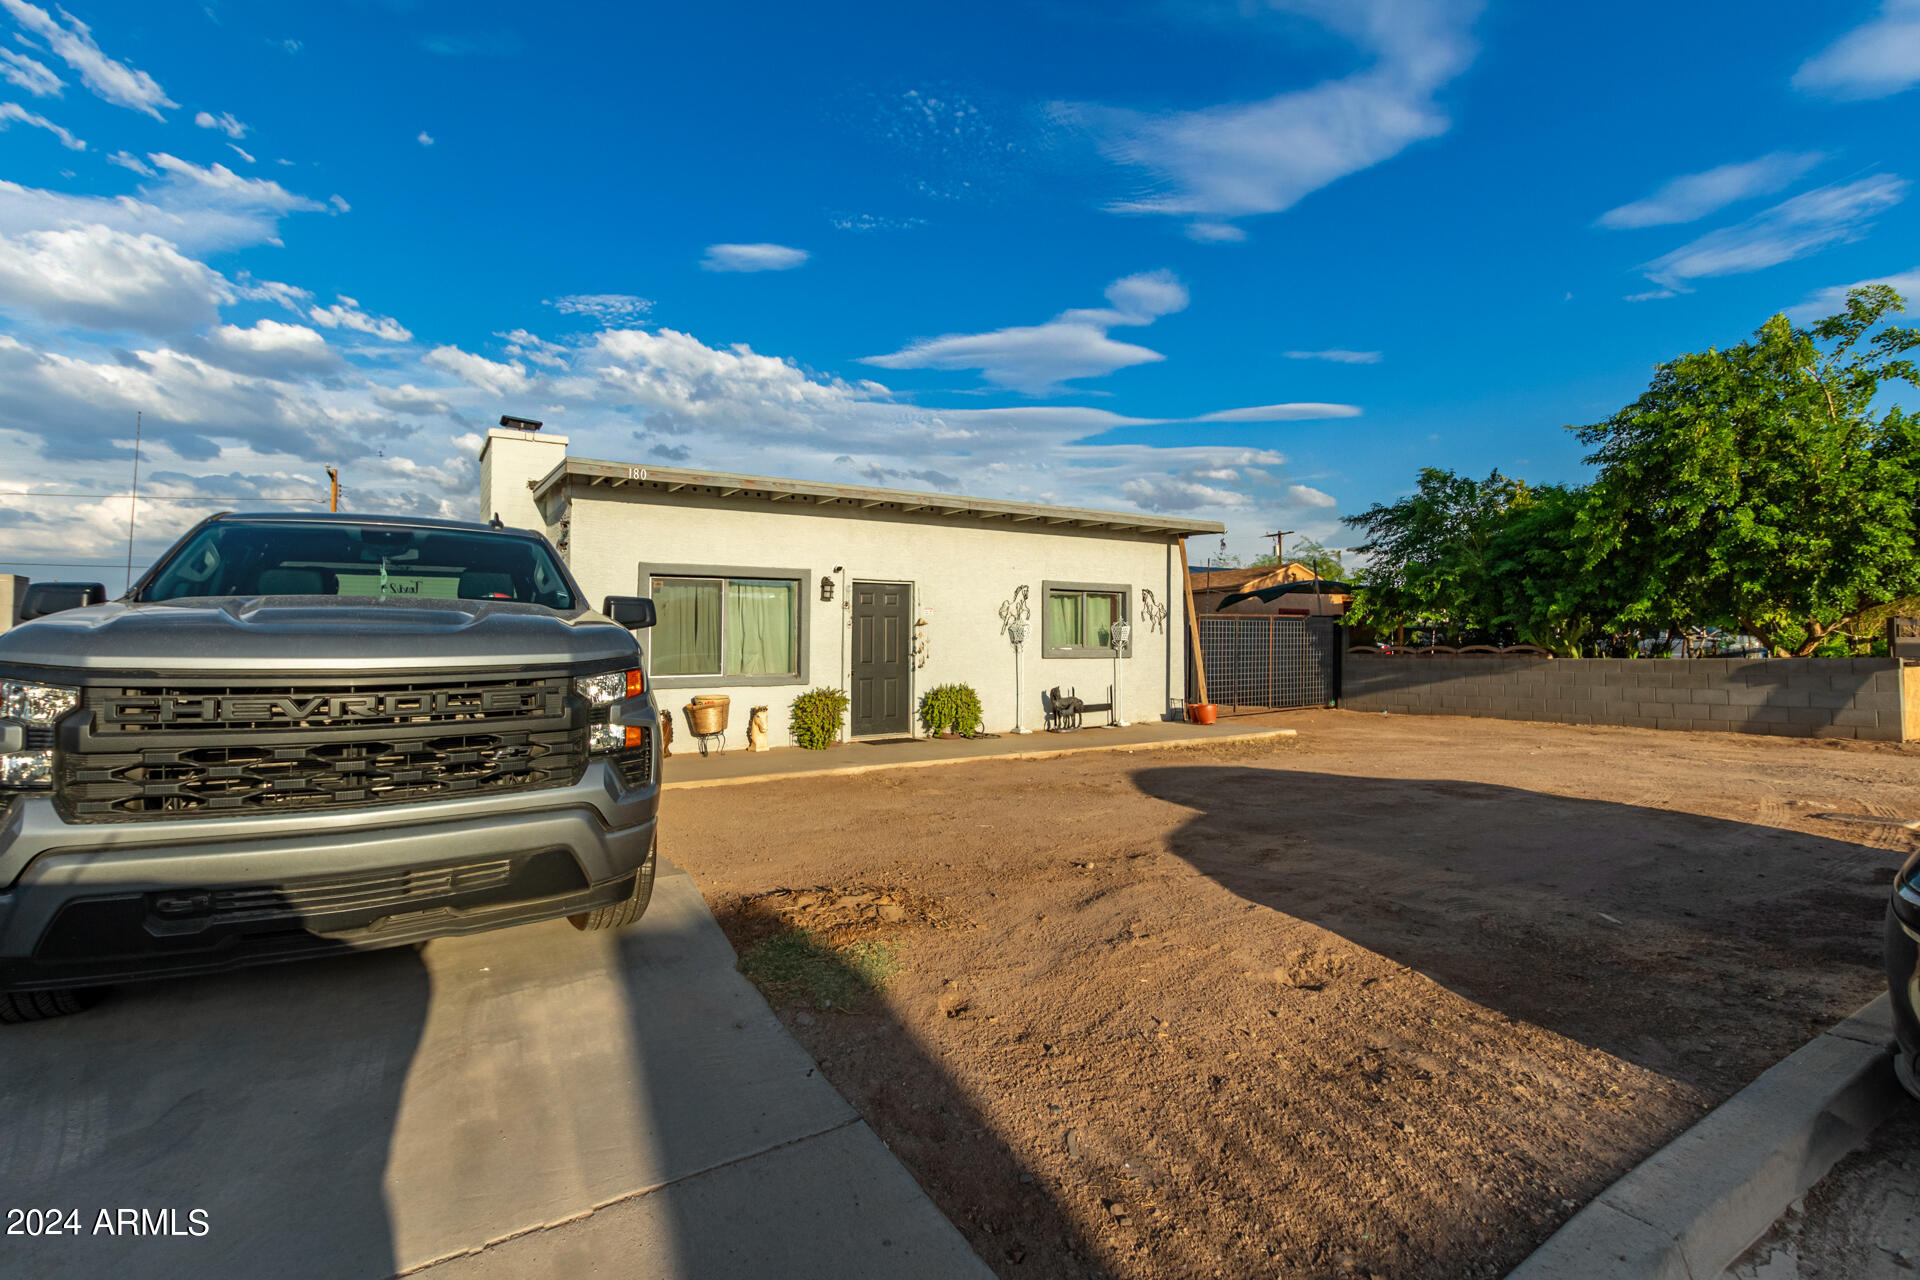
[[293, 635]]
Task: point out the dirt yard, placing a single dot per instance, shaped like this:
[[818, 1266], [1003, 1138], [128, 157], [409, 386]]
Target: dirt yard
[[1393, 998]]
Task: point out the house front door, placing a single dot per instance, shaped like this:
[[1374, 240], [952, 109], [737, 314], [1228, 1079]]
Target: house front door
[[881, 671]]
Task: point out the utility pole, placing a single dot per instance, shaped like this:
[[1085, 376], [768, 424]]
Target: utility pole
[[133, 498], [333, 498], [1279, 559]]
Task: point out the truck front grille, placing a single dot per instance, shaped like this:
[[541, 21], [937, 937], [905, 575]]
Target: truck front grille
[[202, 751]]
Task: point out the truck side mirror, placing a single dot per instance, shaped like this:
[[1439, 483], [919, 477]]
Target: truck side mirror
[[43, 598], [635, 613]]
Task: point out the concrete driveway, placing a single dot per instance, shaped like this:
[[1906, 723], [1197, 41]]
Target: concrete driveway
[[534, 1101]]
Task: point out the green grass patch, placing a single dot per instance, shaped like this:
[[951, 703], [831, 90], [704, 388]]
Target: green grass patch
[[795, 966]]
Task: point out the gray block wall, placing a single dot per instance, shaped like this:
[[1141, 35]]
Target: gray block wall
[[1792, 697]]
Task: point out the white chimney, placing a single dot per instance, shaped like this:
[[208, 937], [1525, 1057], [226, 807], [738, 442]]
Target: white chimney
[[511, 462]]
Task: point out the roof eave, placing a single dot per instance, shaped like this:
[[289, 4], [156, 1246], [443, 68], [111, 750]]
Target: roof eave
[[617, 475]]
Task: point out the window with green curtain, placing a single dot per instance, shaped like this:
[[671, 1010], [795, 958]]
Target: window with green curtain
[[1080, 618], [685, 639], [762, 626], [1064, 627], [1102, 610]]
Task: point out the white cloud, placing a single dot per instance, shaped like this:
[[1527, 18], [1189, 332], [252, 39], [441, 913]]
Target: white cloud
[[1874, 60], [270, 349], [197, 209], [1695, 195], [1237, 159], [224, 122], [12, 112], [1215, 232], [1832, 300], [242, 152], [339, 203], [1308, 496], [533, 347], [1299, 412], [292, 297], [1338, 355], [425, 139], [607, 308], [127, 160], [865, 222], [1791, 229], [1074, 344], [61, 402], [477, 371], [1180, 493], [105, 279], [22, 72], [73, 43], [346, 314], [407, 398], [752, 257]]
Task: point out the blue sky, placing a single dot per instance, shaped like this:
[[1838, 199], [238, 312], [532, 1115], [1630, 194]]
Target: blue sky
[[1256, 262]]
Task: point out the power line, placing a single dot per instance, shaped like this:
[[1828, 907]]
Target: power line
[[152, 497], [65, 564]]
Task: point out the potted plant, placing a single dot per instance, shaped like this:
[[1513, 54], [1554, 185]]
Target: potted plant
[[817, 718], [951, 710]]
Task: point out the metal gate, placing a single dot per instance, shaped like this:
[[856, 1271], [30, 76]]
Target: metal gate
[[1264, 663]]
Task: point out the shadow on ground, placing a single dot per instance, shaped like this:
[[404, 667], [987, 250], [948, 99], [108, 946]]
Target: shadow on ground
[[266, 1100], [1700, 948], [817, 977], [532, 1101]]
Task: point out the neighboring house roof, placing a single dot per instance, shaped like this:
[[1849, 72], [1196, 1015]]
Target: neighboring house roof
[[1310, 586], [594, 473], [1205, 579]]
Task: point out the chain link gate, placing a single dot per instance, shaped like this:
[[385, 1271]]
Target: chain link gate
[[1259, 662]]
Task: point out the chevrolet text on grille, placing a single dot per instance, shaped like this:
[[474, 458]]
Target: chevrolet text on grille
[[297, 709]]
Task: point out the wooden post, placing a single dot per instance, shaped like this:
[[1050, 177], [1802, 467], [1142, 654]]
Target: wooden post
[[1193, 625]]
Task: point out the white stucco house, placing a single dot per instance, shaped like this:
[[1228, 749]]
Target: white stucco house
[[766, 588]]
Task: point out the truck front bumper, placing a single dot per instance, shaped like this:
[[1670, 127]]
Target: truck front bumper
[[91, 904]]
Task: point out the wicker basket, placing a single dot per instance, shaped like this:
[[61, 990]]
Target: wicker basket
[[707, 717]]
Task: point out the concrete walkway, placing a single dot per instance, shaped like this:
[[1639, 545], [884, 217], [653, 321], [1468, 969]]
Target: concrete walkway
[[688, 768], [536, 1101]]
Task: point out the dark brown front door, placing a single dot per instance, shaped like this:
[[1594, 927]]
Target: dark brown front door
[[880, 665]]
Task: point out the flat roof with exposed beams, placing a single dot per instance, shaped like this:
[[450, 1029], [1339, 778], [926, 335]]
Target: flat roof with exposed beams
[[592, 473]]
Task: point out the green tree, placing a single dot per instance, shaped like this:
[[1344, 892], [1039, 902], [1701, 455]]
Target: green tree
[[1429, 552], [1317, 556], [1759, 487]]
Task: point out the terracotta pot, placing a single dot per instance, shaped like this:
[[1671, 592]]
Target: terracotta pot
[[1201, 712]]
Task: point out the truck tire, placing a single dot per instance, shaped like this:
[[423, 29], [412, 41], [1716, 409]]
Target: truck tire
[[36, 1006], [622, 914]]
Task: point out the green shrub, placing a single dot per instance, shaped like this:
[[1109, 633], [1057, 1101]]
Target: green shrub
[[815, 719], [953, 707]]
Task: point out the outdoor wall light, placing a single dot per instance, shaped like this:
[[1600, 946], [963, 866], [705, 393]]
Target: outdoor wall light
[[826, 588]]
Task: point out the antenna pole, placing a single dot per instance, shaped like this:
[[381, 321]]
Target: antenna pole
[[133, 498]]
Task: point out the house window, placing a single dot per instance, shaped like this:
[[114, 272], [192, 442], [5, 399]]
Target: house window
[[731, 627], [1079, 618]]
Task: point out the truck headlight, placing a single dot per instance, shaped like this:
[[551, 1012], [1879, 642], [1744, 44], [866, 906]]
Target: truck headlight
[[36, 704], [610, 687], [601, 692], [27, 713]]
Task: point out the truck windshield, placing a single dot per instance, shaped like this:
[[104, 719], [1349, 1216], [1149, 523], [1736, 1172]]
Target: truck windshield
[[290, 558]]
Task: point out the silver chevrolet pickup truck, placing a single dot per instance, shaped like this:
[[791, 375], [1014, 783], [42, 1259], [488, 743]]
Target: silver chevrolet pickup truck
[[306, 734]]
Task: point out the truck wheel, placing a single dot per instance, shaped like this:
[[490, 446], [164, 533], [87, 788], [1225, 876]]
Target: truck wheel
[[622, 914], [35, 1006]]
